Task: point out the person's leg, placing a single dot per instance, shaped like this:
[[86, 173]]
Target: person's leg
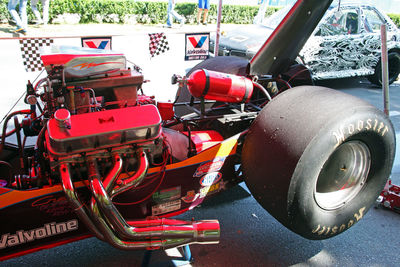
[[169, 14], [206, 8], [177, 16], [200, 9], [46, 6], [174, 13], [14, 14], [205, 16], [35, 11], [199, 15], [22, 13], [261, 12]]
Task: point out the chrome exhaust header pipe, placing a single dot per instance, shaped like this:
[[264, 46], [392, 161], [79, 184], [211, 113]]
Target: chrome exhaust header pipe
[[207, 232], [105, 222], [80, 209], [115, 187]]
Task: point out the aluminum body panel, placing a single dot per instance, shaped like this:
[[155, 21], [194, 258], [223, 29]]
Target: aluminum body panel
[[83, 61]]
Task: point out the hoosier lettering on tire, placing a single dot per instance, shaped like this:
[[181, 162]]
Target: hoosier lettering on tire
[[328, 158]]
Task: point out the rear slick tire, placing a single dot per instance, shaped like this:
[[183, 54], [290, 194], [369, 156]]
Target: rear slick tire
[[317, 159]]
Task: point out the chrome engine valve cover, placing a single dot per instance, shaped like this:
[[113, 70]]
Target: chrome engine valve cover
[[103, 129]]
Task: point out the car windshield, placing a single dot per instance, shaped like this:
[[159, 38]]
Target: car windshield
[[274, 20]]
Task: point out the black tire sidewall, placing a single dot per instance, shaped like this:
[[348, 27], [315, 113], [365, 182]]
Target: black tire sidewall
[[376, 78], [305, 216], [394, 56]]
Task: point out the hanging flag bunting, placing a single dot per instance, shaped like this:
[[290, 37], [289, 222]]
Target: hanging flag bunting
[[30, 52], [197, 46], [97, 42], [158, 44]]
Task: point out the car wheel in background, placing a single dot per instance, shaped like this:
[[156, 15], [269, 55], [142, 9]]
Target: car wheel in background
[[394, 69]]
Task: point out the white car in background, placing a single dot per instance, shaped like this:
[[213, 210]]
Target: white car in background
[[346, 43]]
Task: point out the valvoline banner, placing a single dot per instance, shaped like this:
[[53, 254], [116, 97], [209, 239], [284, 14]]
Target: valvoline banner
[[97, 42], [197, 46]]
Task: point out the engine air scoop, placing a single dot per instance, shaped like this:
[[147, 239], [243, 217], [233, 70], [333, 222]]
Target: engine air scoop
[[82, 62]]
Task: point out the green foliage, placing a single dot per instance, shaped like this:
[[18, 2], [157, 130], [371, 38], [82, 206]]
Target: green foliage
[[144, 12], [117, 11], [4, 15], [395, 18]]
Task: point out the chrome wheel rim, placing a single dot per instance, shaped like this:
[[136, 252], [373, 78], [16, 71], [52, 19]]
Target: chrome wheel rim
[[343, 175]]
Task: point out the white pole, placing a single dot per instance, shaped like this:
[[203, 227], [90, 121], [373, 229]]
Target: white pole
[[385, 76], [218, 33]]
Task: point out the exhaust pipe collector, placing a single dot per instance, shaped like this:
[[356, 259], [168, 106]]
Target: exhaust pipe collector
[[105, 222]]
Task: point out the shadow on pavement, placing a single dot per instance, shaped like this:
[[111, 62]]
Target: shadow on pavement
[[346, 83], [6, 29]]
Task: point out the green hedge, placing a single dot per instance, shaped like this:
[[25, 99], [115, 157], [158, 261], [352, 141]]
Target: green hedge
[[143, 12], [395, 18], [120, 11]]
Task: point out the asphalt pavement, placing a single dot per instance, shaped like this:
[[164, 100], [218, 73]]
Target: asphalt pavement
[[249, 235]]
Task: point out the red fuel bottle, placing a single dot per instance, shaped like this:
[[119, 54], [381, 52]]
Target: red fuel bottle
[[220, 86]]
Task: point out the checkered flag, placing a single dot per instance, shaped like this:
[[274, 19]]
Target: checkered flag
[[30, 52], [158, 44]]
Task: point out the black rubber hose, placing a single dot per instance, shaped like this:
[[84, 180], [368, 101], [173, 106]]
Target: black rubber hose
[[4, 133]]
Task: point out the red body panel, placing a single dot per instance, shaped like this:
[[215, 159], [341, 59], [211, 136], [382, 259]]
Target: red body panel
[[181, 189], [204, 139]]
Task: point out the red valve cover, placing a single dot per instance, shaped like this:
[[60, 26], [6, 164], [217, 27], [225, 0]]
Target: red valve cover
[[104, 129]]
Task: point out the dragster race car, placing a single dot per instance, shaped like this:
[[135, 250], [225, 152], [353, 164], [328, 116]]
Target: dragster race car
[[93, 155]]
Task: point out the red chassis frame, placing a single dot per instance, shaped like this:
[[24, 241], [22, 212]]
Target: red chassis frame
[[390, 197], [43, 218]]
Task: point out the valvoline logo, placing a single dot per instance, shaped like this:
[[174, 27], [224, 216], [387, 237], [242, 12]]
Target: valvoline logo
[[100, 45], [198, 43], [103, 42], [197, 46], [210, 178]]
